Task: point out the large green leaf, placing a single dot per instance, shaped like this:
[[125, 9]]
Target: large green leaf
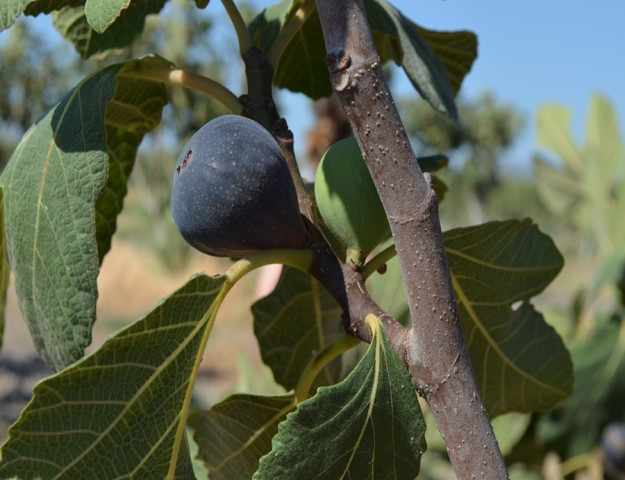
[[121, 411], [296, 320], [51, 186], [368, 426], [520, 362], [73, 24], [5, 269], [302, 67], [234, 434], [599, 390]]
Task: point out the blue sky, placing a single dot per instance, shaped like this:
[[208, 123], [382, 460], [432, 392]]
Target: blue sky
[[534, 52]]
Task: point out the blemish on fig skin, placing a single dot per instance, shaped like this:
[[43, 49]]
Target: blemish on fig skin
[[185, 161]]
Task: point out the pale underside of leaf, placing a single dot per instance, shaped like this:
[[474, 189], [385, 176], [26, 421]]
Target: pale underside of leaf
[[102, 13], [120, 412], [234, 434], [520, 362], [73, 24], [296, 320]]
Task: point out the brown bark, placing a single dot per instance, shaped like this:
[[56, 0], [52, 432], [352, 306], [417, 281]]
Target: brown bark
[[434, 350]]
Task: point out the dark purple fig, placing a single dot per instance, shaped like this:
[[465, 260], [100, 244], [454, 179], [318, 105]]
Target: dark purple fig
[[233, 193]]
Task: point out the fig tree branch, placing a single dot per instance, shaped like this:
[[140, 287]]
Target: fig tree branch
[[435, 351], [183, 78]]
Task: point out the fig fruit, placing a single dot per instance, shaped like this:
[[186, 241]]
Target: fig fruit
[[347, 199], [233, 193]]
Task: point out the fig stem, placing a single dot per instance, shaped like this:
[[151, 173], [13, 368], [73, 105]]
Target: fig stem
[[378, 260], [303, 197], [183, 78], [319, 361], [288, 32], [301, 259], [243, 34]]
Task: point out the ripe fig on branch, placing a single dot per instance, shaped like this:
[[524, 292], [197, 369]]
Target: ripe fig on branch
[[233, 193], [348, 201]]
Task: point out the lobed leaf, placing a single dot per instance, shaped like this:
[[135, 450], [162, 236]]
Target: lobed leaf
[[519, 360], [296, 320], [51, 187], [121, 411], [493, 266], [368, 426], [234, 434], [73, 24]]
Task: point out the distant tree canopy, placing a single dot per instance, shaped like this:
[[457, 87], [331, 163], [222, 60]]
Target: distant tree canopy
[[475, 146]]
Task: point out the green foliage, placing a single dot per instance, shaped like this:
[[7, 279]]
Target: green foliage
[[297, 319], [520, 362], [382, 428], [234, 434], [584, 188], [588, 187], [396, 37], [56, 178], [92, 34], [597, 398], [123, 409]]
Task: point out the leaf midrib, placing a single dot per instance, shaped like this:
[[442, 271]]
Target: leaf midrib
[[462, 298], [157, 371]]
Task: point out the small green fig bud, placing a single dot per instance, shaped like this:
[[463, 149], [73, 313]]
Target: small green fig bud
[[348, 201]]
